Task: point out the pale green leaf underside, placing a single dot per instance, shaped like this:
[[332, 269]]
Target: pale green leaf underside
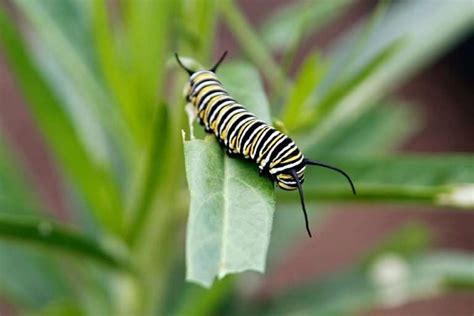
[[231, 213], [232, 207]]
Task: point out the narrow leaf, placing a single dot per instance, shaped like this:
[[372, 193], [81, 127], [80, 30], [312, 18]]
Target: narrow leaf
[[231, 205], [27, 279], [342, 103], [52, 236], [59, 131], [307, 80], [389, 282], [423, 41], [382, 128], [252, 45], [396, 272], [285, 25], [440, 180]]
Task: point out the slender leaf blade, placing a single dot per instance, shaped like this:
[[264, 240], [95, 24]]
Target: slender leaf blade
[[440, 180], [422, 41], [283, 28], [27, 279], [51, 235], [382, 128], [60, 132], [399, 270], [358, 290]]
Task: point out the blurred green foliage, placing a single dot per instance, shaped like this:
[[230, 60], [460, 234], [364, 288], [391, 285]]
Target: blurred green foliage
[[101, 83]]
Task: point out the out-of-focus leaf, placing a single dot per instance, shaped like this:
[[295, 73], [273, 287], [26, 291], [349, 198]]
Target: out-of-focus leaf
[[201, 302], [341, 103], [231, 205], [149, 29], [199, 18], [309, 75], [42, 232], [28, 279], [15, 194], [390, 281], [441, 180], [252, 45], [60, 308], [382, 128], [397, 271], [408, 241], [284, 27], [70, 71], [423, 40], [112, 57], [91, 179], [149, 177]]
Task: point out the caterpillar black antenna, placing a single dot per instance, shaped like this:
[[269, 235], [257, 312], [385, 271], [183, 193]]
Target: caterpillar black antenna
[[214, 68], [189, 71], [317, 163], [300, 190]]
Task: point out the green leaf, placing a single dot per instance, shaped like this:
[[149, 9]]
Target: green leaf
[[45, 233], [356, 290], [232, 207], [89, 177], [343, 103], [408, 241], [423, 41], [396, 272], [252, 45], [382, 128], [308, 78], [14, 191], [72, 74], [30, 280], [285, 26], [231, 214], [199, 18], [440, 180], [149, 27]]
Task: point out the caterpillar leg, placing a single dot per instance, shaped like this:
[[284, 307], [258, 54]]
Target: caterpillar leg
[[231, 154]]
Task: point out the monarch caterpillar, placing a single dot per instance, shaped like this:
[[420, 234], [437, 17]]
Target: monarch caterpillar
[[242, 134]]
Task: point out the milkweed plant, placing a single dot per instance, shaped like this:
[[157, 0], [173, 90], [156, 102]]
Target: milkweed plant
[[161, 221]]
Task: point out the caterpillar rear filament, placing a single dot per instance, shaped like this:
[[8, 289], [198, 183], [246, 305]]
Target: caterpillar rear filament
[[244, 135]]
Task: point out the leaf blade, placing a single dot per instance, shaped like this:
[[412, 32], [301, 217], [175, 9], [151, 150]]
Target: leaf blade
[[410, 178], [43, 232], [231, 205]]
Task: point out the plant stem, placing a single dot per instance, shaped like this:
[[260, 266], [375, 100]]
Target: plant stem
[[252, 45]]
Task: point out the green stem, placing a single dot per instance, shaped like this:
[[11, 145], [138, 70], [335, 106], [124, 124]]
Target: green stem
[[147, 190], [45, 233], [367, 193], [252, 45]]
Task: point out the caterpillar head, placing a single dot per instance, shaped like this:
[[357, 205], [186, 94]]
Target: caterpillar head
[[189, 85]]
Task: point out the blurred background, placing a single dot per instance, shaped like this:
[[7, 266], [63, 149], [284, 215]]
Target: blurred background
[[439, 93]]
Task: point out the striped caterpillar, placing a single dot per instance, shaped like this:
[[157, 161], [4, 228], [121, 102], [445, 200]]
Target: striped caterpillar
[[242, 134]]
